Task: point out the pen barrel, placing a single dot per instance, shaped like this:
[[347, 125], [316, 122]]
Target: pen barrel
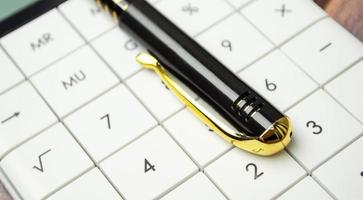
[[233, 99]]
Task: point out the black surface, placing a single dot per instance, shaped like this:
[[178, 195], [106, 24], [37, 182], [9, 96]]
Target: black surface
[[27, 14]]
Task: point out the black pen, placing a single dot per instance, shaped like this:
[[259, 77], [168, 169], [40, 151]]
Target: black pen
[[253, 124]]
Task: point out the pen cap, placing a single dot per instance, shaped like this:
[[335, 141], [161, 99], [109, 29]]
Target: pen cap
[[233, 99]]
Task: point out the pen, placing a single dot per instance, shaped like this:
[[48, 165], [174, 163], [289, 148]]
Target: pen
[[253, 124]]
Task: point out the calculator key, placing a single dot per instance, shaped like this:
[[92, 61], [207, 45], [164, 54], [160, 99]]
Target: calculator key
[[279, 80], [45, 163], [280, 19], [238, 3], [156, 96], [241, 174], [87, 17], [193, 16], [348, 89], [109, 122], [148, 167], [321, 128], [119, 50], [41, 42], [197, 187], [74, 80], [23, 114], [306, 189], [91, 186], [319, 50], [9, 74], [225, 42], [343, 174], [195, 137]]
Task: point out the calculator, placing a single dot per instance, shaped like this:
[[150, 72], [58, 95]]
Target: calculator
[[80, 119]]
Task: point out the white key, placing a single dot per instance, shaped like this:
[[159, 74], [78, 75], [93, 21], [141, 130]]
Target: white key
[[23, 114], [91, 186], [235, 42], [149, 88], [119, 50], [306, 189], [110, 122], [87, 17], [45, 163], [193, 16], [152, 1], [195, 137], [343, 174], [278, 80], [243, 175], [324, 50], [41, 42], [9, 74], [149, 166], [238, 3], [74, 80], [197, 187], [348, 89], [281, 19], [321, 127]]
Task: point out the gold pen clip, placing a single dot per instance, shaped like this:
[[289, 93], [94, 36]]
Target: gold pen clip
[[257, 145]]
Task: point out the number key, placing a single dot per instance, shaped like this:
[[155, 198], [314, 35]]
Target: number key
[[278, 79], [241, 174], [321, 127], [110, 122], [148, 167]]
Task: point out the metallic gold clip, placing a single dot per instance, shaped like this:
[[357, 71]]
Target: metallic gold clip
[[261, 145]]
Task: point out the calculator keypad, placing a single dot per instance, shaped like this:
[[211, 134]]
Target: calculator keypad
[[87, 122]]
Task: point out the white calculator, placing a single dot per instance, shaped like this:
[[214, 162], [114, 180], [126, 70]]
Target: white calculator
[[80, 119]]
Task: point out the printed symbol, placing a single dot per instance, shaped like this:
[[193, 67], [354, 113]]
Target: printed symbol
[[270, 86], [227, 44], [148, 166], [254, 166], [283, 10], [107, 117], [314, 125], [190, 9], [131, 45], [257, 150], [41, 169], [16, 114], [325, 47]]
